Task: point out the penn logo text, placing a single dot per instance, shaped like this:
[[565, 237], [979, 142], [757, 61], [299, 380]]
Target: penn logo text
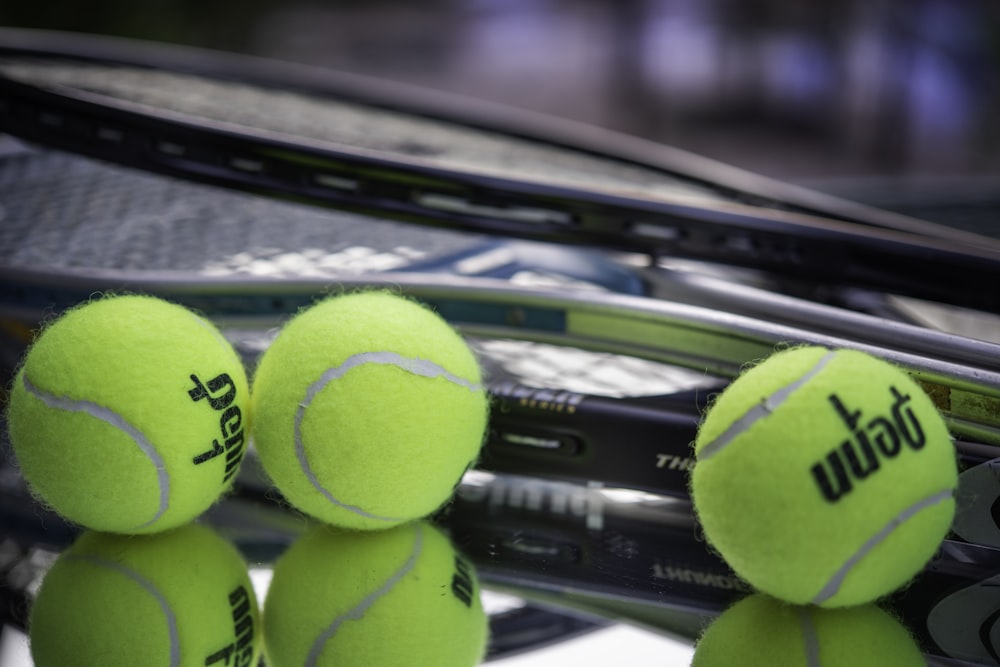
[[238, 653], [873, 441], [461, 582], [220, 392]]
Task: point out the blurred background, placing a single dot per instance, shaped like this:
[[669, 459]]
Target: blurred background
[[903, 91]]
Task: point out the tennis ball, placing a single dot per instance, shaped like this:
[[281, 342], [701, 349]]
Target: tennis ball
[[177, 598], [824, 476], [128, 415], [368, 409], [401, 596], [760, 631]]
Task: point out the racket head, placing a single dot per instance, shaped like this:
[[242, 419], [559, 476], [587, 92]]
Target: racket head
[[330, 144]]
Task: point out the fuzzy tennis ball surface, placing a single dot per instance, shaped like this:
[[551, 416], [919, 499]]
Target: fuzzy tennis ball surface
[[180, 598], [402, 596], [128, 415], [824, 476], [368, 409], [759, 631]]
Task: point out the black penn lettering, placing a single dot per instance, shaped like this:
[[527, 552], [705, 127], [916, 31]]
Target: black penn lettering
[[907, 423], [886, 437], [239, 652], [234, 454], [222, 655], [461, 582], [836, 485], [239, 600], [244, 657], [230, 421], [850, 417], [244, 632], [234, 448], [210, 454], [220, 391], [860, 456], [872, 443]]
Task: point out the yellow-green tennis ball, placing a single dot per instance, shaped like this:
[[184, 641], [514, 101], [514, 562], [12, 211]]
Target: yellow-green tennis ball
[[402, 596], [129, 415], [180, 598], [368, 409], [824, 476], [760, 631]]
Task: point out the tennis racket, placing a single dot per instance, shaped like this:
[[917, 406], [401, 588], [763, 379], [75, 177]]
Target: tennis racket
[[350, 144], [375, 162]]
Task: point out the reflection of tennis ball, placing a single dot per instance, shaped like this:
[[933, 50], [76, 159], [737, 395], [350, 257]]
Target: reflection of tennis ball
[[825, 477], [368, 410], [128, 415], [760, 631], [181, 597], [402, 596]]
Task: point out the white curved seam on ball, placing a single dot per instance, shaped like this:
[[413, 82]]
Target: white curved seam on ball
[[149, 587], [416, 366], [358, 611], [762, 410], [836, 581], [114, 419], [810, 640]]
